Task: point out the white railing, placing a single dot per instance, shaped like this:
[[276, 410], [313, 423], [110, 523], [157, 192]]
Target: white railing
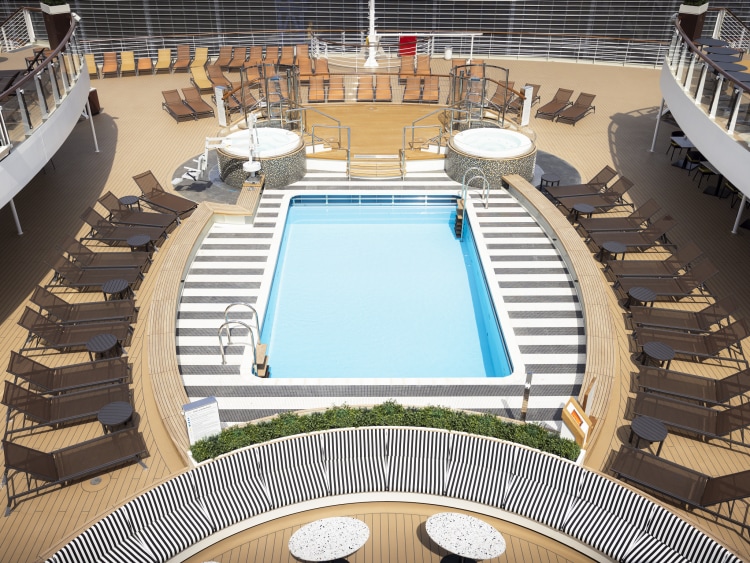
[[17, 31]]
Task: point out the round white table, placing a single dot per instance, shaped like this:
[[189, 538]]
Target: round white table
[[465, 536], [328, 539]]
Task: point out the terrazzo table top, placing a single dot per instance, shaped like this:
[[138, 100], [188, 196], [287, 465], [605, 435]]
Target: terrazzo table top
[[328, 539], [465, 536]]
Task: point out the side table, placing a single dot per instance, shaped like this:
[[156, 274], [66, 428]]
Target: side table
[[114, 416], [611, 249], [131, 200], [640, 294], [582, 208], [140, 242], [117, 288], [103, 346], [549, 180], [657, 351], [329, 539], [649, 429]]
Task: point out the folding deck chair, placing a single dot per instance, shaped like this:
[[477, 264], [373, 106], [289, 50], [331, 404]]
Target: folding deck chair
[[336, 92], [70, 274], [681, 320], [201, 57], [195, 102], [217, 77], [110, 66], [596, 185], [159, 199], [62, 312], [321, 69], [431, 92], [559, 102], [174, 105], [163, 61], [691, 387], [365, 88], [316, 91], [122, 214], [580, 109], [613, 197], [239, 56], [516, 105], [669, 267], [104, 231], [383, 88], [406, 68], [683, 285], [225, 57], [200, 79], [127, 63], [413, 89], [91, 66], [287, 55], [255, 56], [145, 66], [653, 235], [86, 258], [633, 222], [182, 61]]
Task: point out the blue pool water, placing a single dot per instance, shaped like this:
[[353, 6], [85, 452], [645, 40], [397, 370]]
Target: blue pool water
[[380, 291]]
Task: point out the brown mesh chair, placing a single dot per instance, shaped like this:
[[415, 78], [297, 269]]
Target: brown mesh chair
[[406, 68], [316, 91], [67, 337], [70, 464], [174, 105], [669, 267], [239, 56], [653, 235], [226, 54], [122, 214], [636, 221], [707, 422], [431, 91], [104, 231], [62, 312], [413, 89], [694, 387], [559, 102], [383, 91], [678, 319], [580, 109], [287, 55], [681, 484], [66, 408], [145, 66], [678, 287], [255, 57], [70, 274], [503, 95], [271, 56], [110, 66], [597, 184], [90, 260], [698, 347], [613, 197], [159, 199], [321, 69], [336, 92], [301, 51], [517, 104], [365, 88], [305, 68], [217, 78], [182, 61], [71, 377], [423, 65], [196, 103]]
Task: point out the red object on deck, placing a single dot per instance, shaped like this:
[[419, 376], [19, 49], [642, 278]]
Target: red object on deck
[[407, 45]]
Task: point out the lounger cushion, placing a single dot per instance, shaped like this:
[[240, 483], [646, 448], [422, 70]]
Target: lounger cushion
[[649, 549], [417, 460], [679, 535], [294, 470], [356, 460], [543, 487], [479, 469]]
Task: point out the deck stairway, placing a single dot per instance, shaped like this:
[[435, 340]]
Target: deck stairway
[[376, 166]]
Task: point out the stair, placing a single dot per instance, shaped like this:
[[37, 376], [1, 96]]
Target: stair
[[459, 227], [375, 166]]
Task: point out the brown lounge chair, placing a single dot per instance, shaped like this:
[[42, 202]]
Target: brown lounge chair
[[160, 200], [700, 346], [122, 214], [516, 105], [431, 91], [503, 95], [174, 105], [423, 65], [66, 337], [690, 418], [680, 320], [195, 102], [633, 222], [217, 78], [145, 66], [110, 66], [104, 231], [365, 89], [580, 109], [603, 201], [239, 56], [383, 89], [694, 387], [677, 287], [70, 274], [87, 259], [317, 91], [559, 102], [287, 55], [182, 61], [304, 64], [650, 236], [413, 89], [62, 312], [680, 483], [597, 184], [667, 268], [272, 55], [255, 56], [321, 69], [336, 92], [60, 409], [72, 463], [225, 57], [71, 377], [406, 68]]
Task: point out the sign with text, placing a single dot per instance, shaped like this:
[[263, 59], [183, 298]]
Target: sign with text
[[202, 419]]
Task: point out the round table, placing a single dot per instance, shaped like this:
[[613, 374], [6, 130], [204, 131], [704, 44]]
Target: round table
[[611, 249], [722, 50], [130, 200], [137, 242], [549, 180], [711, 42], [641, 294], [649, 429], [102, 346], [728, 66], [116, 288], [657, 351], [465, 536], [114, 415], [582, 208], [328, 539]]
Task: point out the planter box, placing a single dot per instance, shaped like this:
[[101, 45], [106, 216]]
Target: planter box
[[61, 9], [692, 18], [695, 10], [56, 22]]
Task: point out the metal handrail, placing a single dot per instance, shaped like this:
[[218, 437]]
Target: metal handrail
[[465, 190], [226, 325], [242, 304]]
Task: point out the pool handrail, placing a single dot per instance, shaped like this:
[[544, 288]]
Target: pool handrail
[[226, 325]]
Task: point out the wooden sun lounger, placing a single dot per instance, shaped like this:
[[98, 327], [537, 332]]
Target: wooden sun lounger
[[145, 66], [239, 56], [86, 258], [226, 54], [516, 105], [67, 337], [423, 65], [196, 103], [272, 55], [707, 422], [182, 61], [316, 91], [431, 92], [597, 184], [110, 66], [698, 347], [163, 61], [321, 69], [680, 320], [413, 89], [159, 199], [174, 105], [70, 274], [336, 92], [633, 222], [580, 109], [613, 197], [66, 408], [559, 102], [669, 267], [255, 56], [383, 88], [406, 68], [122, 214], [694, 387], [62, 312], [681, 484], [365, 89], [287, 55], [127, 63], [104, 231], [683, 285], [217, 77], [70, 377], [653, 235], [72, 463]]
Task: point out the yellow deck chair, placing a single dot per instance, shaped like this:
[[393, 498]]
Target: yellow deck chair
[[199, 78], [127, 63], [201, 57], [163, 61], [91, 65]]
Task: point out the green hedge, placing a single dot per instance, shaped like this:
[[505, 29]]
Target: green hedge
[[387, 414]]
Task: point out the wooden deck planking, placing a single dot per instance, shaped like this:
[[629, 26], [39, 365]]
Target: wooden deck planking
[[132, 126]]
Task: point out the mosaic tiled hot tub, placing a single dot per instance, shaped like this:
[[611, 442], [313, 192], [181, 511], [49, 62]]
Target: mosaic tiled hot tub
[[497, 152]]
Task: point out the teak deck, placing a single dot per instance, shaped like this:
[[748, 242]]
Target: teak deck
[[135, 135]]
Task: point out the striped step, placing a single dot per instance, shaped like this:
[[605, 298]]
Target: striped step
[[377, 167]]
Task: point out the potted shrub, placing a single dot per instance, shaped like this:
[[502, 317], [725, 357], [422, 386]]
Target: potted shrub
[[56, 15], [692, 15]]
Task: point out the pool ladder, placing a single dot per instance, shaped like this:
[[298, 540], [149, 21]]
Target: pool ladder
[[461, 203], [260, 358]]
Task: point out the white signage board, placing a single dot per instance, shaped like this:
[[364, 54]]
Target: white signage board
[[202, 419], [221, 112]]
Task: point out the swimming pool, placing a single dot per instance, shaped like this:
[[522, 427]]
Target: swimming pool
[[380, 290]]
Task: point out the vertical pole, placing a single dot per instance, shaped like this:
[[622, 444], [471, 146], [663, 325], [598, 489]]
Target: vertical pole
[[91, 121], [739, 214], [372, 39], [656, 127], [15, 217]]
